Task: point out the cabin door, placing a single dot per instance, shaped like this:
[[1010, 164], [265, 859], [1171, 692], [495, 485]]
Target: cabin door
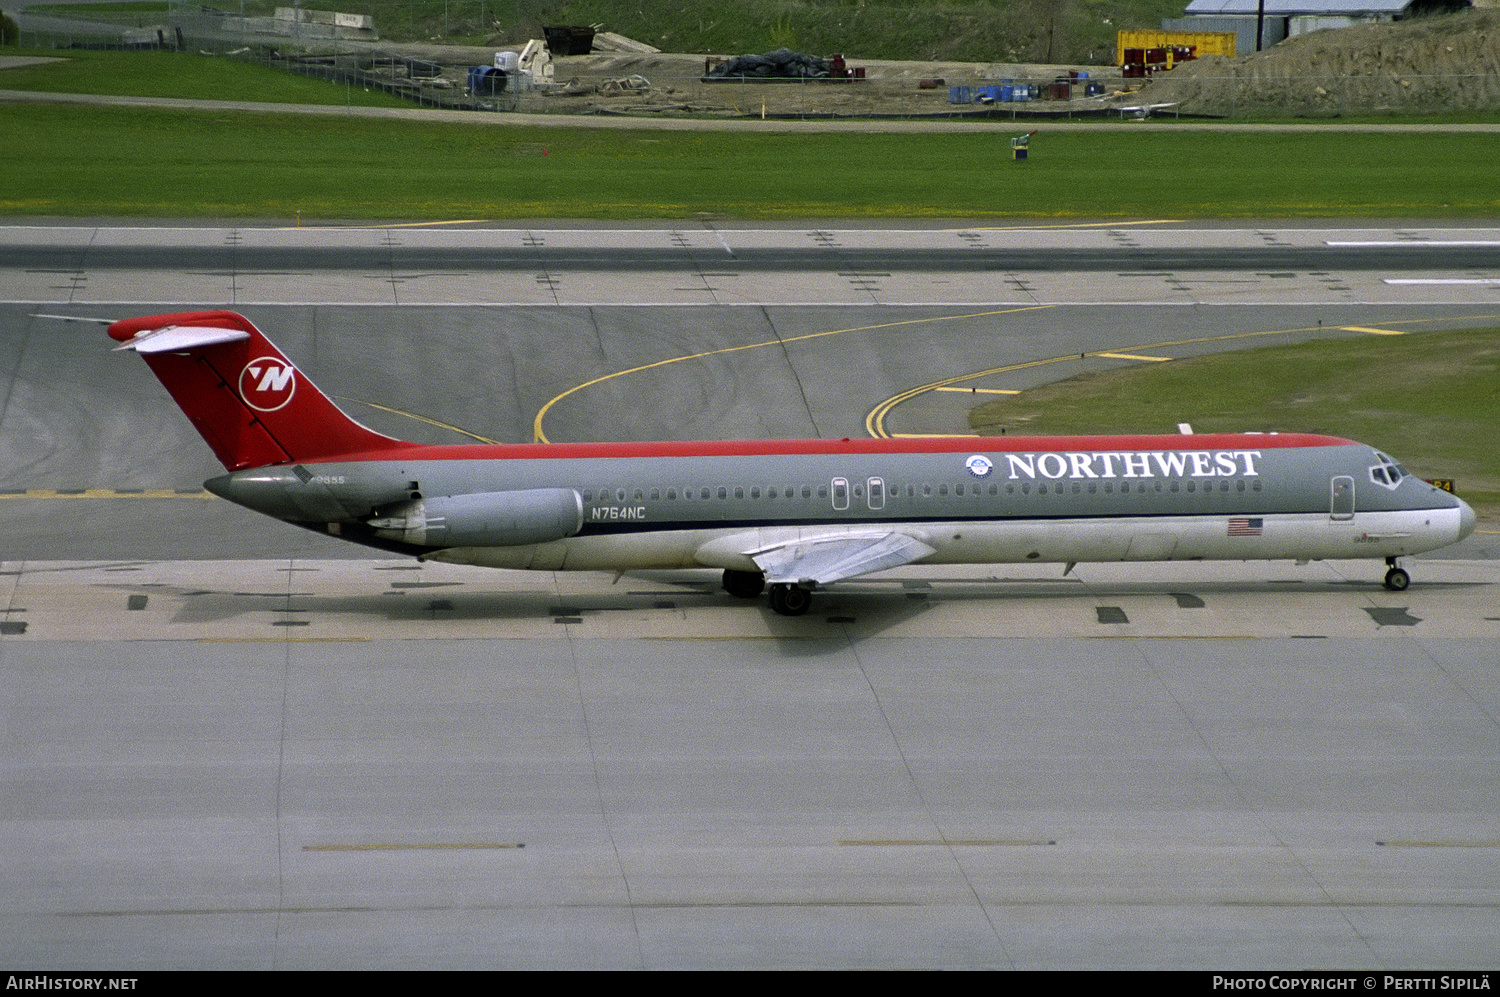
[[1341, 497], [840, 493]]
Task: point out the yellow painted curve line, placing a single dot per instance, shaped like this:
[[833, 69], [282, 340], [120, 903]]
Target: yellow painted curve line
[[376, 225], [421, 418], [541, 437], [875, 420]]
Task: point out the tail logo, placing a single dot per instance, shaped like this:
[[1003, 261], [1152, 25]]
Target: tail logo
[[268, 383]]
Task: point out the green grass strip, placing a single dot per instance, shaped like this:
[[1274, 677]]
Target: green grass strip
[[236, 164], [1429, 399], [182, 76]]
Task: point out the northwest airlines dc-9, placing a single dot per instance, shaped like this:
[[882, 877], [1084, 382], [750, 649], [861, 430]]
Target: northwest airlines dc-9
[[790, 516]]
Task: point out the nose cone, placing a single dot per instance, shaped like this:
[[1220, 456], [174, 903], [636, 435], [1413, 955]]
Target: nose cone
[[1465, 519]]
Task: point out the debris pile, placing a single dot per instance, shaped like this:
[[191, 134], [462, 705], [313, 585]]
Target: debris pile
[[1424, 65], [780, 64]]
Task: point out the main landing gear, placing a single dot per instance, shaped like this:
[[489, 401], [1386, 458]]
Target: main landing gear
[[788, 600], [1396, 579], [744, 584]]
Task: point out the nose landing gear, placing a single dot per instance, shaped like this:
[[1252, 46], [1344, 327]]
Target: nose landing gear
[[1396, 578]]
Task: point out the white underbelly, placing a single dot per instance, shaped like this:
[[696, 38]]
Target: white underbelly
[[1172, 538]]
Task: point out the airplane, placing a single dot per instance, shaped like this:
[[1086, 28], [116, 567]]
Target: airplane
[[789, 515]]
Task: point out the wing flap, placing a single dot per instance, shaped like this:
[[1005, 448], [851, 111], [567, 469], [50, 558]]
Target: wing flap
[[824, 560]]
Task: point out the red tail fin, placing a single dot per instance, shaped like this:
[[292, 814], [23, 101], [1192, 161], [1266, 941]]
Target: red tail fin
[[250, 403]]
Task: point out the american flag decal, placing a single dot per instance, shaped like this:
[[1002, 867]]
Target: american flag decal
[[1242, 527]]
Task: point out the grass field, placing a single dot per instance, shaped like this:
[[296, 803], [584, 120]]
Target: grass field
[[233, 164], [1429, 399], [181, 75]]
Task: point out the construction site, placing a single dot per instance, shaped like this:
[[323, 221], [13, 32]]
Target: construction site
[[1417, 65]]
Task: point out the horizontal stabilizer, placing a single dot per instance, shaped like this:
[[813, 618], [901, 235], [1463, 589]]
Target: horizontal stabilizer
[[822, 561], [178, 338]]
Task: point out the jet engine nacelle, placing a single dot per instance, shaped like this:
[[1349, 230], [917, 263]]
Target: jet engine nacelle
[[485, 519]]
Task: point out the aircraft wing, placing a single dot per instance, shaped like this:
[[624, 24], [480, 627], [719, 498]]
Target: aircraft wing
[[829, 559]]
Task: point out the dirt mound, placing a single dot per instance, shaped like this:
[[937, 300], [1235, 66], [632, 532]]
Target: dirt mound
[[1441, 63]]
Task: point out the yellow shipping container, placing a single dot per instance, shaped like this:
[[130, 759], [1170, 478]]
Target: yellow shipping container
[[1206, 42]]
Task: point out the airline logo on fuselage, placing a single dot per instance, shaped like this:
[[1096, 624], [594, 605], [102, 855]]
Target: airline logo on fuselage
[[1133, 464], [268, 383]]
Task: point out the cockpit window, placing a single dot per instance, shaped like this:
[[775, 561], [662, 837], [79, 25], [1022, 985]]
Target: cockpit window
[[1387, 473]]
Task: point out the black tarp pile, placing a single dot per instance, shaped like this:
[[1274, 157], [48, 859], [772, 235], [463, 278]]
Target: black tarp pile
[[782, 64]]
